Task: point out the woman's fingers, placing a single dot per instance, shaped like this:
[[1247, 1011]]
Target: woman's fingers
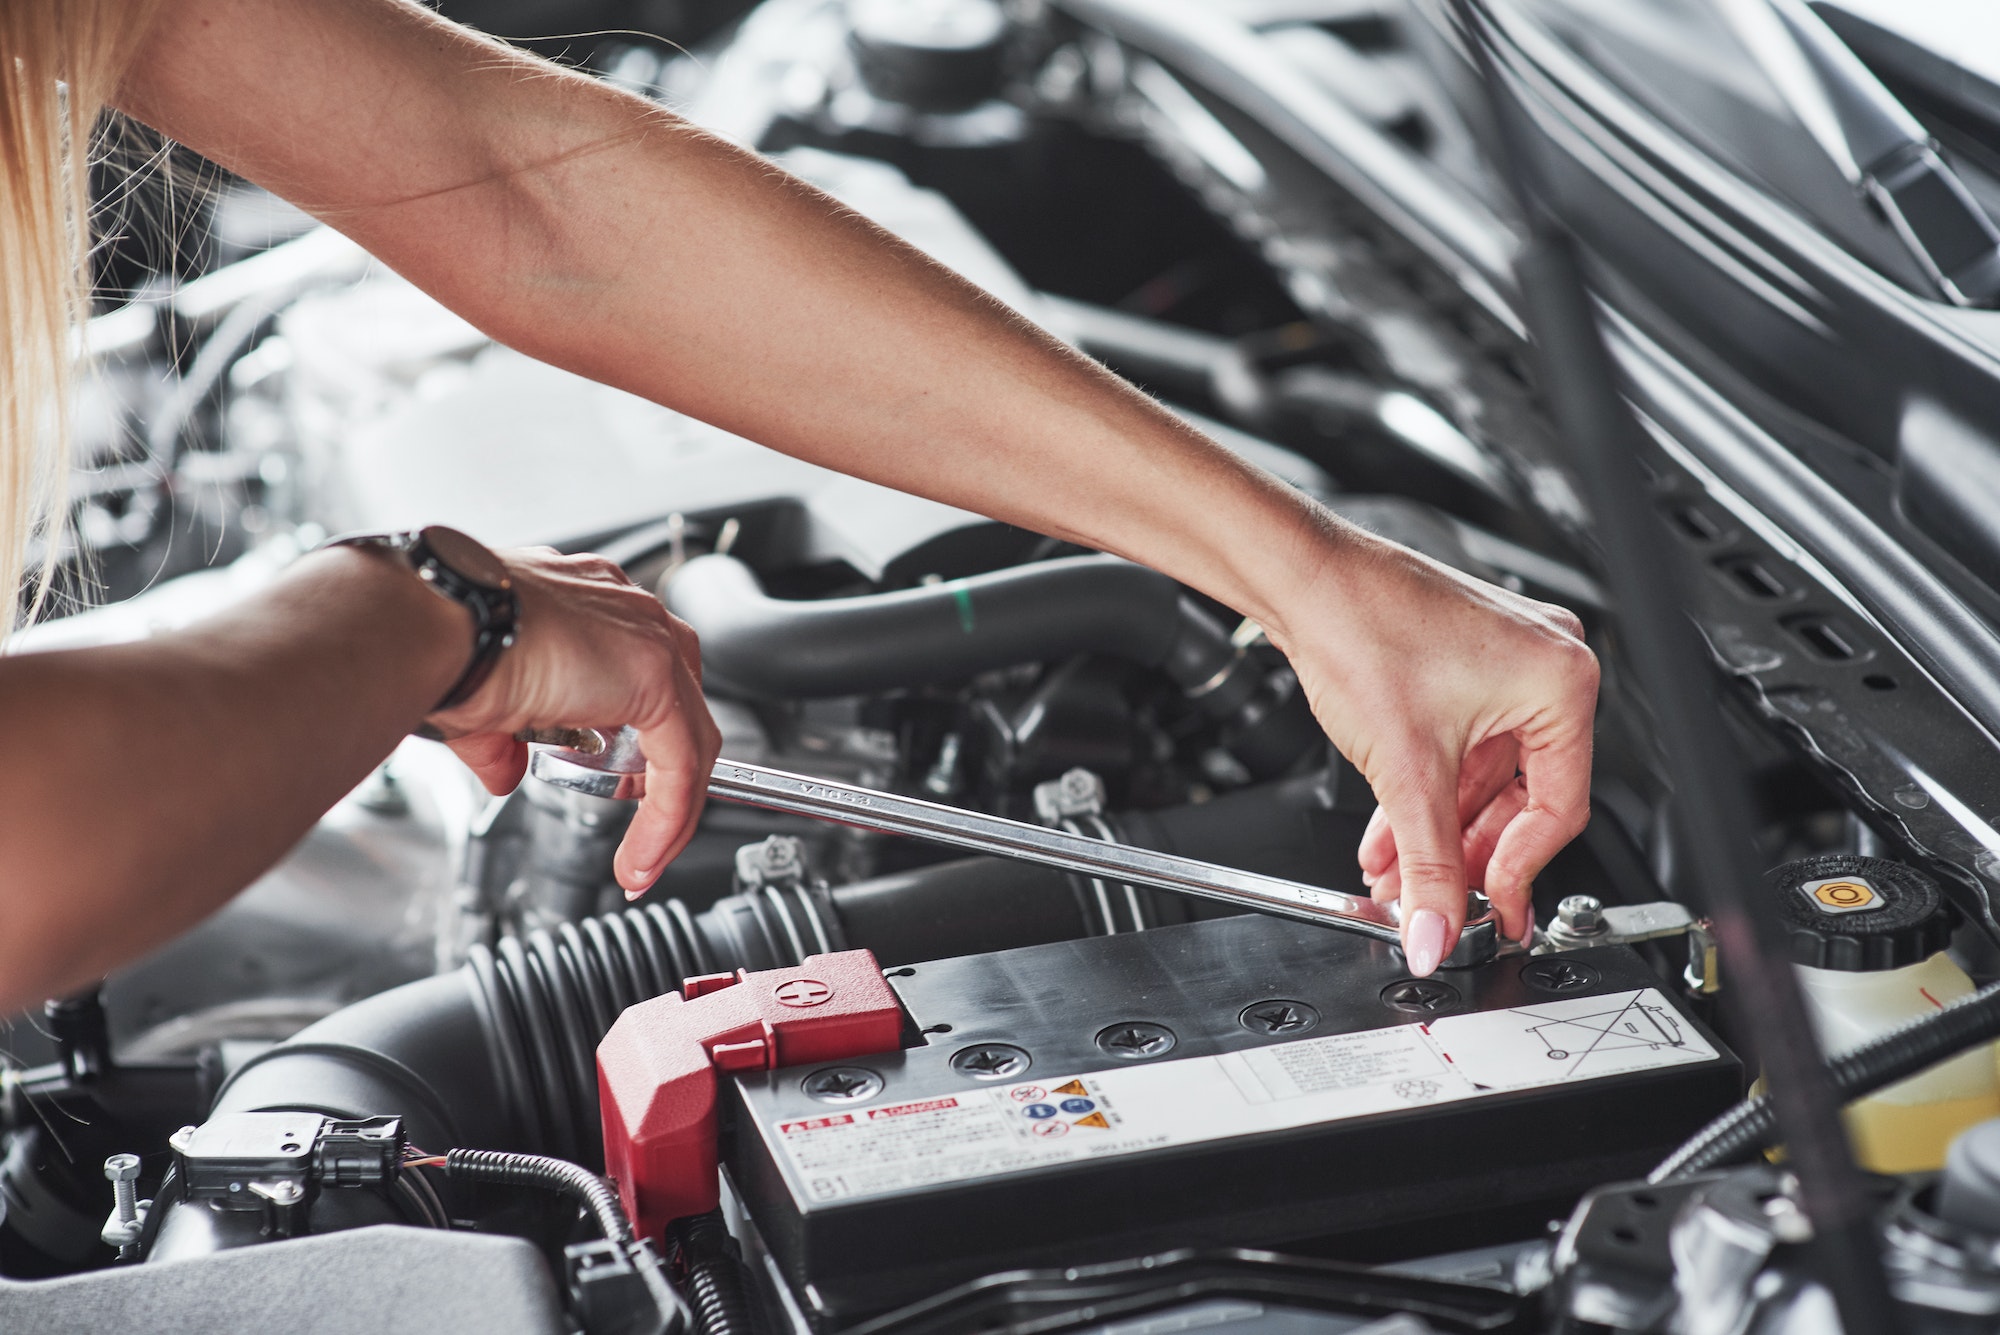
[[1555, 785], [1419, 800], [680, 751], [495, 757], [1378, 848], [1481, 837], [1486, 770]]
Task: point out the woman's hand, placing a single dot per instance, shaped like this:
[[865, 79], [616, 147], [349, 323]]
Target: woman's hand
[[1434, 683], [596, 651]]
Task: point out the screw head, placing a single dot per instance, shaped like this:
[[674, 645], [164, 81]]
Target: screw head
[[1581, 914], [780, 857], [1078, 792], [990, 1061], [1278, 1017], [779, 854], [1136, 1040], [842, 1084], [1421, 996], [1553, 973], [122, 1168]]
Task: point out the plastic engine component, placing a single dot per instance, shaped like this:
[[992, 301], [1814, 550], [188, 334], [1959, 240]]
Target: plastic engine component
[[1241, 1081], [656, 1068], [1860, 914], [387, 1280]]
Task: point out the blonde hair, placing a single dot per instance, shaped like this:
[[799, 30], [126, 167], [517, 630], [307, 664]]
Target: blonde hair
[[60, 64]]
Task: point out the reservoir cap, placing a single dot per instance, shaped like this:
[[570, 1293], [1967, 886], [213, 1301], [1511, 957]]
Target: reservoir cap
[[1860, 914]]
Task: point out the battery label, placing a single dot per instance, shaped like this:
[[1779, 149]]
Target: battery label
[[986, 1132]]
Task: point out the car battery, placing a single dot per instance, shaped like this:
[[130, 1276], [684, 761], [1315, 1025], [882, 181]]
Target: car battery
[[1240, 1081]]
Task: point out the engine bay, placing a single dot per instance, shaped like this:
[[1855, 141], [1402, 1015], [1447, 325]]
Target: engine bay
[[845, 1082]]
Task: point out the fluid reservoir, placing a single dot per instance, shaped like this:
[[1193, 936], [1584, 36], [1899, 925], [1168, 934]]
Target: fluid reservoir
[[1868, 937]]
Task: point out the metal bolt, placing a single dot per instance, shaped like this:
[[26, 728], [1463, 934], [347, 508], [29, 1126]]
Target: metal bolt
[[1278, 1017], [1136, 1040], [1420, 996], [128, 1212], [282, 1192], [123, 1170], [990, 1061], [1077, 793], [780, 857], [1555, 974], [1581, 915], [843, 1084]]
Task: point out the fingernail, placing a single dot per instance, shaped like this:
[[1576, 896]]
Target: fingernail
[[1528, 931], [1423, 941], [1368, 879]]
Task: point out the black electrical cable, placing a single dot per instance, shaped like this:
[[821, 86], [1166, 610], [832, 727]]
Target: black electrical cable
[[588, 1190], [711, 1276], [1605, 441], [1875, 1065]]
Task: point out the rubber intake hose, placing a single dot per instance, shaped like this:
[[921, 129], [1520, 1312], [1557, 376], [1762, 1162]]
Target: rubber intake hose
[[1875, 1065], [498, 1053], [948, 632]]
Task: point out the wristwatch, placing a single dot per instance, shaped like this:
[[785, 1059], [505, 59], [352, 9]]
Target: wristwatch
[[464, 570]]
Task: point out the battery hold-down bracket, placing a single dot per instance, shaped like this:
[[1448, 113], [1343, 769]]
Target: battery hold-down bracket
[[657, 1067]]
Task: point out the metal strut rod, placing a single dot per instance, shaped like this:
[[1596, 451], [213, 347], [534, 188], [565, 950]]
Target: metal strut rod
[[612, 766]]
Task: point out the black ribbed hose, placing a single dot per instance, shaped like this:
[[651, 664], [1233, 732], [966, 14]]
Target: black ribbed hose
[[552, 995], [1895, 1056], [499, 1053], [711, 1276]]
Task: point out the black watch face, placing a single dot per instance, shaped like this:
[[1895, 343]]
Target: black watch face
[[466, 557]]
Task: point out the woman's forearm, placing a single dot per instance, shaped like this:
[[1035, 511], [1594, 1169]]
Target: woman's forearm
[[588, 228], [143, 784]]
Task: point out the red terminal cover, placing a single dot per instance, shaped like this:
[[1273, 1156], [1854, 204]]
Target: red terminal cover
[[656, 1069]]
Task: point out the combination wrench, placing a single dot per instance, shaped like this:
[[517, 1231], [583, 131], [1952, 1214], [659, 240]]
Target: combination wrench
[[611, 765]]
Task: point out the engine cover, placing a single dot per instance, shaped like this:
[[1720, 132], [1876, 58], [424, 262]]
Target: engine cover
[[1234, 1081]]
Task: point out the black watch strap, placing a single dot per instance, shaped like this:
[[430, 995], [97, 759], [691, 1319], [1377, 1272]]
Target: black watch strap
[[465, 571]]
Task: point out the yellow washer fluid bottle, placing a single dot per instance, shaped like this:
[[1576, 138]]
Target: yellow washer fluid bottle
[[1868, 937]]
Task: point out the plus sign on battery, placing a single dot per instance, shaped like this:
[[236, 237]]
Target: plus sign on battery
[[802, 992]]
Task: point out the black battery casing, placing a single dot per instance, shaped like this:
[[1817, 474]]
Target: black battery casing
[[1347, 1177]]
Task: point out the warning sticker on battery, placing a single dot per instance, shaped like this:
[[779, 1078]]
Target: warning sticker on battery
[[1041, 1123]]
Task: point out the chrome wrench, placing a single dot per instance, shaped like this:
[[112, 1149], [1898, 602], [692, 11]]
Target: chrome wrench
[[611, 765]]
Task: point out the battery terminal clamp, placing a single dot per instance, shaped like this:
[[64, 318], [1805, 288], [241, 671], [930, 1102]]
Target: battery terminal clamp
[[657, 1067]]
